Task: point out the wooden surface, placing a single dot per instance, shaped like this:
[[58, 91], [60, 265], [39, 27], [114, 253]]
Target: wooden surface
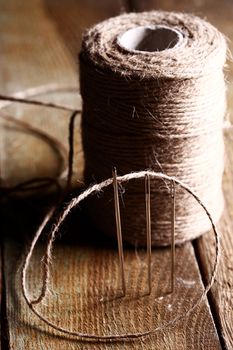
[[84, 297], [39, 45]]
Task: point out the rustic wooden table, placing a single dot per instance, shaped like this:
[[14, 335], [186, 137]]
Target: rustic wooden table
[[39, 45]]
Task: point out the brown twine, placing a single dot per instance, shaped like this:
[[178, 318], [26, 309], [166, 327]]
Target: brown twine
[[47, 261], [37, 91], [108, 85], [38, 183], [158, 110], [48, 254], [57, 146], [43, 182]]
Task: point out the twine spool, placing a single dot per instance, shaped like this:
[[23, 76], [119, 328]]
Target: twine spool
[[154, 98]]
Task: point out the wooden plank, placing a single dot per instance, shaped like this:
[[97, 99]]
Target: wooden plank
[[31, 57], [4, 336], [84, 284], [1, 299], [39, 43], [221, 295], [59, 26]]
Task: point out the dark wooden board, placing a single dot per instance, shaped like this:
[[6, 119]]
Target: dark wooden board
[[44, 51], [221, 297]]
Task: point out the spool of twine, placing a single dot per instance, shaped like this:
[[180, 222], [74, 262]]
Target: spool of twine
[[154, 98]]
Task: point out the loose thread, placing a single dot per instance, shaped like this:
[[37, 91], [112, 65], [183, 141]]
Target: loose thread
[[35, 103], [38, 90], [38, 183], [42, 182], [53, 142], [73, 203], [71, 148], [47, 258]]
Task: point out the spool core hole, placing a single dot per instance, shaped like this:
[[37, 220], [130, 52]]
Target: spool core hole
[[150, 38]]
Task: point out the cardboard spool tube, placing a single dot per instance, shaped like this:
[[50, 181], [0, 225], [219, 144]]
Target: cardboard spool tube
[[150, 39]]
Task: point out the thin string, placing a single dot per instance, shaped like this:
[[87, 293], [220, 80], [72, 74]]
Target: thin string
[[47, 256], [42, 182], [37, 91], [39, 183], [35, 102], [36, 183], [96, 188], [73, 203], [71, 148], [53, 142]]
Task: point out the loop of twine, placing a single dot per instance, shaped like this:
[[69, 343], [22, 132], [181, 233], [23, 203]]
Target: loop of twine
[[48, 258], [70, 206]]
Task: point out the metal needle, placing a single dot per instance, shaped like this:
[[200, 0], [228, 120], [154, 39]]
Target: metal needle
[[148, 229], [172, 189], [118, 229]]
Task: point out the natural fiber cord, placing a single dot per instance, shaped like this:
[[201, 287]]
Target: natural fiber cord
[[155, 104], [97, 188], [148, 104]]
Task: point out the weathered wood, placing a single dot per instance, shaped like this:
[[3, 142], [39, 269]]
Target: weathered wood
[[46, 49], [1, 296], [221, 296], [36, 41], [83, 294]]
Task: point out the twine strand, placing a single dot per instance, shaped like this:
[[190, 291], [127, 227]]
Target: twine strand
[[58, 147], [39, 183], [73, 203]]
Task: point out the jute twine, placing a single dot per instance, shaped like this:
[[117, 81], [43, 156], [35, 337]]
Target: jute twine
[[36, 184], [160, 110], [95, 189]]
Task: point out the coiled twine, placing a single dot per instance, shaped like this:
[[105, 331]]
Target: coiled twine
[[154, 98]]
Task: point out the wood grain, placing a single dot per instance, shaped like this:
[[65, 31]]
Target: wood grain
[[35, 53], [30, 59], [221, 296], [83, 296], [84, 273]]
